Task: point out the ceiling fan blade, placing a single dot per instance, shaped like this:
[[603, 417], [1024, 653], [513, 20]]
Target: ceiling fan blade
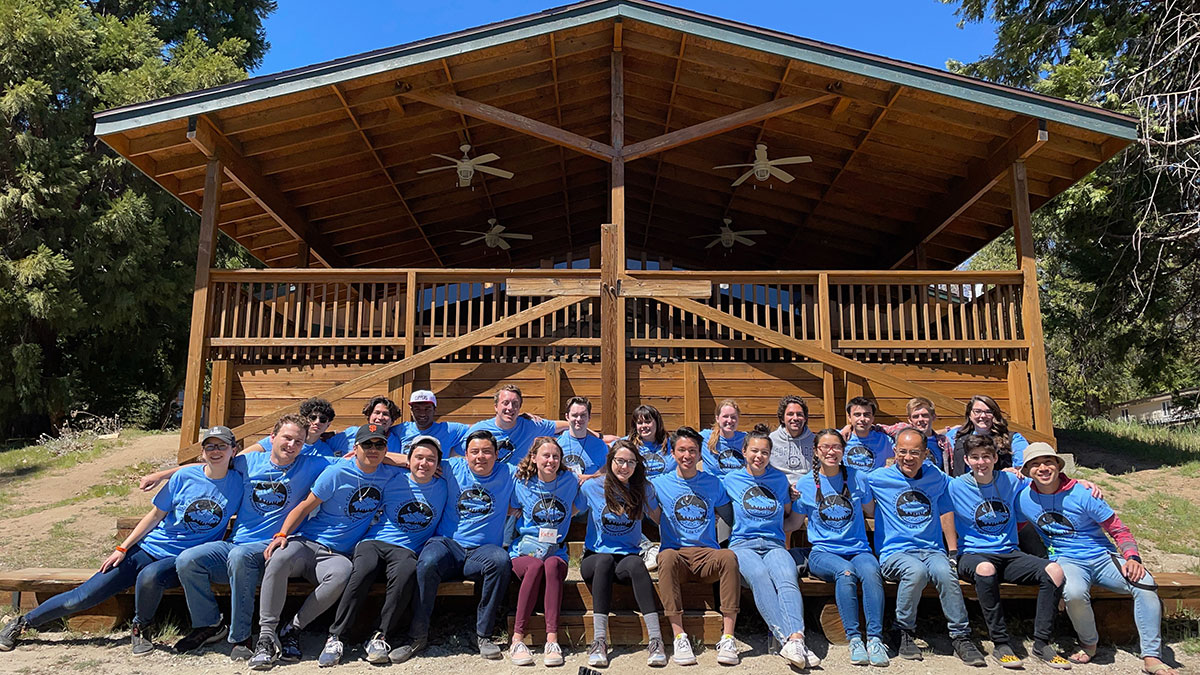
[[743, 178], [713, 243], [749, 232], [742, 240], [781, 174], [517, 235], [731, 166], [471, 232], [495, 172], [704, 236], [760, 153], [484, 159], [440, 168], [784, 161], [472, 241], [504, 245], [495, 229], [453, 160]]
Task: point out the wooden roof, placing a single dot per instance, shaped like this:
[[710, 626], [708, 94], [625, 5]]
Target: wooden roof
[[902, 154]]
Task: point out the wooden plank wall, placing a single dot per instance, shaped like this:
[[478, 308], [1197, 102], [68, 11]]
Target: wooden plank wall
[[464, 390]]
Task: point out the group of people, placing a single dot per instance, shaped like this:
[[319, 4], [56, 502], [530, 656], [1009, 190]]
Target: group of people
[[425, 501]]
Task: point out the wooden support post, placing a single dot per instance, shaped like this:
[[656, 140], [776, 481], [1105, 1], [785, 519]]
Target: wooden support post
[[691, 394], [825, 325], [612, 268], [193, 387], [922, 257], [553, 395], [1020, 404], [1031, 308], [220, 392], [410, 342]]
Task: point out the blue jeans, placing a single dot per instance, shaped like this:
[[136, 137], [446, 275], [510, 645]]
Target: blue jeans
[[222, 562], [148, 575], [847, 573], [443, 559], [913, 570], [771, 573], [1100, 571]]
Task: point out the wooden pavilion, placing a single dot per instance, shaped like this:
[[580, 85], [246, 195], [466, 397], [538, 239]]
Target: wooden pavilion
[[612, 114]]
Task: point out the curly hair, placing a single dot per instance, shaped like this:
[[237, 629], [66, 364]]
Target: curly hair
[[791, 399], [527, 469], [1000, 433], [317, 406]]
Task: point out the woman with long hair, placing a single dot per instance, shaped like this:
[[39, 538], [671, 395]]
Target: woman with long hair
[[616, 502], [651, 440], [722, 449], [984, 417], [545, 498]]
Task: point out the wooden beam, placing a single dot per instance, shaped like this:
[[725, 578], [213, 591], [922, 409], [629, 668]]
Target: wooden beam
[[553, 395], [982, 176], [720, 125], [1031, 309], [220, 392], [515, 122], [193, 384], [411, 300], [406, 365], [869, 372], [691, 394], [825, 326], [612, 266], [205, 136], [627, 287]]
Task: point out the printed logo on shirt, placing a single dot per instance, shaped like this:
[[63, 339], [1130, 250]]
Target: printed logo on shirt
[[655, 464], [991, 516], [691, 512], [364, 502], [475, 502], [835, 512], [731, 460], [548, 511], [760, 502], [615, 523], [1055, 524], [504, 450], [574, 463], [268, 496], [414, 516], [860, 457], [914, 508], [795, 458], [202, 515]]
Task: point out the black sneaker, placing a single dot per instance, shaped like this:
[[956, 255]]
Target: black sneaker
[[1006, 657], [11, 633], [266, 653], [488, 649], [141, 644], [908, 646], [968, 652], [199, 637], [1050, 656], [405, 652], [242, 651], [289, 644]]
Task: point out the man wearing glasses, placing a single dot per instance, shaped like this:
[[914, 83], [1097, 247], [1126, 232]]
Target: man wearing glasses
[[318, 415]]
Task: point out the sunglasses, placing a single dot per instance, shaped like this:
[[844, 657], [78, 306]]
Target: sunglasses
[[374, 445], [317, 417]]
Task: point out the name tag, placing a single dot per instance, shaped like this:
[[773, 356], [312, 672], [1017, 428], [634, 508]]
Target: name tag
[[547, 535]]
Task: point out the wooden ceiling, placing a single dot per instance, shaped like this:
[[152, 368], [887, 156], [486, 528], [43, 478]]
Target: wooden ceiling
[[330, 157]]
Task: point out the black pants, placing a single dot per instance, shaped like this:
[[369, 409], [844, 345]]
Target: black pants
[[1014, 568], [401, 568], [599, 570]]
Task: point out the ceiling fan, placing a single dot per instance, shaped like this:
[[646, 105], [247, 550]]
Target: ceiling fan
[[763, 168], [467, 166], [728, 236], [495, 236]]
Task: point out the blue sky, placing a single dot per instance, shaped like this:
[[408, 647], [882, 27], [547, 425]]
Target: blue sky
[[303, 32]]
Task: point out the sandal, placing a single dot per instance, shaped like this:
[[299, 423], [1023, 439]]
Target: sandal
[[1083, 654], [1159, 668]]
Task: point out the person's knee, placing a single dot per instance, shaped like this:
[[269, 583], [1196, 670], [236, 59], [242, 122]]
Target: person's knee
[[1076, 592], [668, 558], [1055, 573], [985, 569], [727, 560], [556, 567], [338, 571]]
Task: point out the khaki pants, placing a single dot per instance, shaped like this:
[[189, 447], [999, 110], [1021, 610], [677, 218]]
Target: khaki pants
[[678, 566]]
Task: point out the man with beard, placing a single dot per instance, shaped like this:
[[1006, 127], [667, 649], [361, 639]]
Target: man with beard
[[792, 442]]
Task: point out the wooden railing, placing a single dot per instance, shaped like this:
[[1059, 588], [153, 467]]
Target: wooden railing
[[289, 316]]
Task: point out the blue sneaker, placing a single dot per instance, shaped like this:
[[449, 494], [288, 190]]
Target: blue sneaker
[[877, 652], [858, 652]]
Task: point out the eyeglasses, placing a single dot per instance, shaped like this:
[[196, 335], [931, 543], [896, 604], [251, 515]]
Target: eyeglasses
[[983, 411], [908, 453], [318, 417], [213, 447], [374, 445], [617, 461], [829, 447]]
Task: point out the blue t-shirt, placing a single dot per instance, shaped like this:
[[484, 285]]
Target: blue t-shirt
[[320, 448], [476, 507], [986, 516], [270, 492], [758, 504], [609, 532], [870, 453], [411, 511], [349, 501], [582, 455], [450, 434], [908, 510], [546, 505], [513, 444], [343, 442], [687, 509], [726, 457], [1069, 522], [656, 457], [835, 522], [198, 511], [1019, 443]]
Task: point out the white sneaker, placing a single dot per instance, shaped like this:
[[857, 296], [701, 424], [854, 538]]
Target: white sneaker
[[727, 651], [520, 655], [553, 655], [332, 654], [809, 657], [683, 654], [650, 557], [793, 653]]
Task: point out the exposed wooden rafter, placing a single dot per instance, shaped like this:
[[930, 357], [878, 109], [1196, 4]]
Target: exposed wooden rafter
[[562, 154], [666, 127], [209, 140]]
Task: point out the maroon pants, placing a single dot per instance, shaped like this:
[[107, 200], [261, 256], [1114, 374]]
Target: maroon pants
[[532, 572]]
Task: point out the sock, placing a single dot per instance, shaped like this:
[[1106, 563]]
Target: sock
[[1038, 645], [600, 626], [653, 630]]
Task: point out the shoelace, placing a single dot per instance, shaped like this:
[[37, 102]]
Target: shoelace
[[598, 647]]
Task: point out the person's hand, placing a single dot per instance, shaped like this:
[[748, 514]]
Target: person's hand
[[111, 561], [793, 493], [149, 482], [1133, 570], [1094, 489], [276, 543], [1014, 471]]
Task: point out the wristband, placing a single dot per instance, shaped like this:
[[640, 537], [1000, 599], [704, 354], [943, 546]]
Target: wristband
[[953, 555], [280, 534], [122, 549], [1136, 557]]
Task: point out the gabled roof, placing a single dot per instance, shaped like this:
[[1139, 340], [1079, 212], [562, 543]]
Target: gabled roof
[[341, 142]]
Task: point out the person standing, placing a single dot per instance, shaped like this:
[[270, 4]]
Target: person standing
[[792, 440], [583, 451], [867, 448], [513, 431], [422, 405]]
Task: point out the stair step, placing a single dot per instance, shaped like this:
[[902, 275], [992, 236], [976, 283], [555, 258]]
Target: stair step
[[624, 628]]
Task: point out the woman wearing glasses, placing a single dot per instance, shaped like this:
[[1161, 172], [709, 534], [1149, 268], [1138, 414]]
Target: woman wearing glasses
[[983, 417], [833, 498]]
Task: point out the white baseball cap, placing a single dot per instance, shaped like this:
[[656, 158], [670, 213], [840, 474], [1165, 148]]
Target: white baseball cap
[[423, 396]]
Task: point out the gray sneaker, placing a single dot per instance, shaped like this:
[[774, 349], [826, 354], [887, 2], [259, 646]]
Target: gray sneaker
[[598, 654], [377, 649], [658, 654], [488, 649], [242, 651], [331, 655], [141, 644], [405, 652], [266, 653], [11, 633]]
